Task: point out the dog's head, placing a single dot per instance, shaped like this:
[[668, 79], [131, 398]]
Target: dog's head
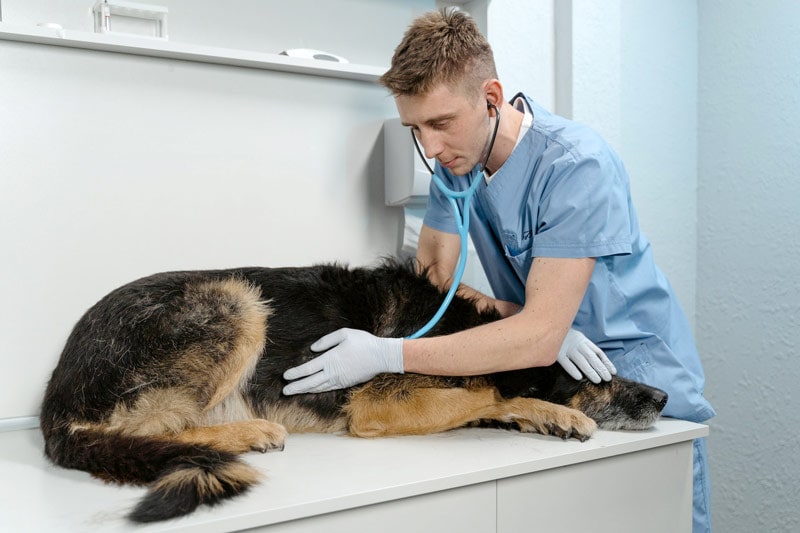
[[617, 404]]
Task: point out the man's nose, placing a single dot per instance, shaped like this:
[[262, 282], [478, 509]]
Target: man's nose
[[431, 143]]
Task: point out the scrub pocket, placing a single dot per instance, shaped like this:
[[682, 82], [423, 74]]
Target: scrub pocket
[[637, 364], [653, 363], [519, 254]]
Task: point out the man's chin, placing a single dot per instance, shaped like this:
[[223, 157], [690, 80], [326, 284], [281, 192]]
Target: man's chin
[[459, 170]]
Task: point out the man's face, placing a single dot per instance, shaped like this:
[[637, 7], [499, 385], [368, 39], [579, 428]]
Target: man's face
[[450, 127]]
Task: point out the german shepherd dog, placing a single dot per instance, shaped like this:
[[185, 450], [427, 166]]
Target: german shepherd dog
[[168, 379]]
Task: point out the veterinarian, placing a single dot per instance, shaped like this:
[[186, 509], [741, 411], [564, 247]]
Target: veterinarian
[[556, 232]]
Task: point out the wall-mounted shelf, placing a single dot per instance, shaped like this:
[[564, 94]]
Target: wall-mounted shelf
[[144, 46]]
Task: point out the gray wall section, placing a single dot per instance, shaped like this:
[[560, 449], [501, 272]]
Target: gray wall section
[[748, 277]]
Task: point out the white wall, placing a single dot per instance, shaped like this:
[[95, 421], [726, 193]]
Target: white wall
[[116, 166], [658, 129], [632, 77], [748, 312], [521, 35]]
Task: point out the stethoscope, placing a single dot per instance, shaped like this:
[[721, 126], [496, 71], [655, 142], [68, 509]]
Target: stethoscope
[[462, 220]]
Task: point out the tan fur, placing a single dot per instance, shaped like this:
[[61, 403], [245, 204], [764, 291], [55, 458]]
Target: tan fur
[[155, 412], [419, 411], [592, 397], [231, 409], [298, 419], [237, 437], [538, 416], [238, 474], [248, 317]]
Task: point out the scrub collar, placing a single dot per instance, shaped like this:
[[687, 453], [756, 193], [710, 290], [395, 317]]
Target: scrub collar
[[527, 121]]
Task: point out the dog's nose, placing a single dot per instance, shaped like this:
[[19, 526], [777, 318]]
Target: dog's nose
[[660, 398]]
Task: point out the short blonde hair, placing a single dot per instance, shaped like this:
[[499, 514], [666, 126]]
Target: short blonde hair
[[443, 46]]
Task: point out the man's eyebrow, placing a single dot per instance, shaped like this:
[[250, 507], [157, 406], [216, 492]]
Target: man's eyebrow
[[432, 120]]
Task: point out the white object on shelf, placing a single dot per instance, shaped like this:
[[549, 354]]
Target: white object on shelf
[[406, 179], [310, 53], [130, 18]]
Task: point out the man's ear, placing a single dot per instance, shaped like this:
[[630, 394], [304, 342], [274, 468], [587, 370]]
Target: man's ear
[[493, 92]]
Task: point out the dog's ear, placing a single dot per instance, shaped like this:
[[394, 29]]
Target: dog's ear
[[526, 383], [551, 383]]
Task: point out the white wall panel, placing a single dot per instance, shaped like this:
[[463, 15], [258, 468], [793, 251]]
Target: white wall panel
[[116, 166]]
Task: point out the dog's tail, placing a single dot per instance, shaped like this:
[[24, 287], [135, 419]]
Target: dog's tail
[[180, 476]]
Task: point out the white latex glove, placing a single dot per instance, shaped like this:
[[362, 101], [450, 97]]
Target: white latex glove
[[581, 357], [352, 357]]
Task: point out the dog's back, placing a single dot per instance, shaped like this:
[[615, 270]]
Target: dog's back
[[168, 379]]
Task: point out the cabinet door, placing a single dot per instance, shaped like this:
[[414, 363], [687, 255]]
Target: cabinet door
[[470, 509], [649, 490]]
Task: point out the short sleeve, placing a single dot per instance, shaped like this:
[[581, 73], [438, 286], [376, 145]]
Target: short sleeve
[[585, 209]]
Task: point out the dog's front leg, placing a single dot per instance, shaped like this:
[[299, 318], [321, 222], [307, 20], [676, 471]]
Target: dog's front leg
[[374, 412], [532, 415], [418, 411]]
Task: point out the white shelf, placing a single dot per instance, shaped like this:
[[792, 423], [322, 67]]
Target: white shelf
[[315, 475], [151, 47]]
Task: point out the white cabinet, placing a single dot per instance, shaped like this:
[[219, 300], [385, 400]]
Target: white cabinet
[[464, 509], [648, 490]]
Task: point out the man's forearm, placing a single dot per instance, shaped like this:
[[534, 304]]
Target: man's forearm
[[508, 344]]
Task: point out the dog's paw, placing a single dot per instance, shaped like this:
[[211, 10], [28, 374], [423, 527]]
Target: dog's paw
[[250, 435], [578, 426], [267, 436], [559, 421]]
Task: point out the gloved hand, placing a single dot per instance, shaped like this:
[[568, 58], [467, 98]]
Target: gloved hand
[[352, 357], [580, 357]]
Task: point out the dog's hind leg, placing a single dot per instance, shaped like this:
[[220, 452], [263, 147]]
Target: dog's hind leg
[[224, 322], [230, 424], [200, 408], [375, 411]]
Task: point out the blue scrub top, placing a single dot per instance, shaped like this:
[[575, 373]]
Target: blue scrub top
[[563, 192]]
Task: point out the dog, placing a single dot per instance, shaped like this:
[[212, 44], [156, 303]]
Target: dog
[[168, 379]]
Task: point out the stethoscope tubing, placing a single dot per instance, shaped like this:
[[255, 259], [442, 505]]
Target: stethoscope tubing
[[462, 224]]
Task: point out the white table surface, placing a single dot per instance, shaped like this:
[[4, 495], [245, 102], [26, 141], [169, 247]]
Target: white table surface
[[315, 474]]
